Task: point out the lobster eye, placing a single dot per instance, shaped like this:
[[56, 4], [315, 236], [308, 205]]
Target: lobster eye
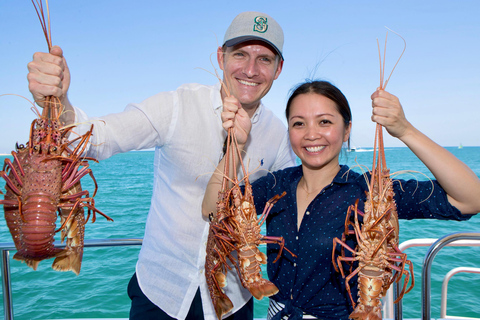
[[54, 148]]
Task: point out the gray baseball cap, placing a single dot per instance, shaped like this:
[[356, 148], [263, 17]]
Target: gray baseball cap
[[252, 25]]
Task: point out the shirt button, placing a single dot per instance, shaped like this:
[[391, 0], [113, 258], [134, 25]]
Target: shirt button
[[296, 237], [308, 212], [294, 264]]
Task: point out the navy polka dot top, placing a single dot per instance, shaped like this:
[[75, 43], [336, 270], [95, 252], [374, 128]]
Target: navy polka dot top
[[309, 282]]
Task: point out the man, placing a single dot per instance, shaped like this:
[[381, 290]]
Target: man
[[185, 128]]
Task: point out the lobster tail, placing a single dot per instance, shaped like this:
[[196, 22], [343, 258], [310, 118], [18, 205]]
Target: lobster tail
[[222, 306], [262, 288], [71, 258], [367, 313], [369, 305], [250, 259], [29, 262], [215, 270]]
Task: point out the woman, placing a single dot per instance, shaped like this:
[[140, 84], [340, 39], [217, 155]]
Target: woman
[[320, 190]]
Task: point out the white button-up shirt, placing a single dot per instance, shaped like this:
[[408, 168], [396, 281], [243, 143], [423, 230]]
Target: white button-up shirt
[[185, 128]]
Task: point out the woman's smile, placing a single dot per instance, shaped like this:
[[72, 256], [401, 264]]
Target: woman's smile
[[315, 149]]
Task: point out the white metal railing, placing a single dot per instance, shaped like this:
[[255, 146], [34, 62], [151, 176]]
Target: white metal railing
[[392, 311], [427, 264], [7, 247], [448, 276], [389, 311]]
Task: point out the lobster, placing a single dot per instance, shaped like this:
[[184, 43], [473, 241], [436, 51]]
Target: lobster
[[235, 227], [42, 183], [380, 261]]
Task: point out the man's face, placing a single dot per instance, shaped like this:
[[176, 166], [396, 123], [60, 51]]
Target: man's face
[[249, 69]]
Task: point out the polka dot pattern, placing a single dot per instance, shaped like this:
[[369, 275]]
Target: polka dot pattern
[[309, 280]]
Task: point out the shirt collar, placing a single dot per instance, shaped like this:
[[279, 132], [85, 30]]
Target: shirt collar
[[218, 104], [258, 113], [343, 176]]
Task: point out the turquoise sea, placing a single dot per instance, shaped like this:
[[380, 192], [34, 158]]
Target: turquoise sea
[[125, 187]]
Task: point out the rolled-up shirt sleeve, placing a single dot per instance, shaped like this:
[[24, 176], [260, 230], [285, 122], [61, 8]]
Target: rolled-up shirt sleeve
[[424, 200], [140, 126]]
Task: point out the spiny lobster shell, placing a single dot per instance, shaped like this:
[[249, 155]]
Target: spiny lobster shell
[[33, 228], [42, 183], [380, 261], [235, 227]]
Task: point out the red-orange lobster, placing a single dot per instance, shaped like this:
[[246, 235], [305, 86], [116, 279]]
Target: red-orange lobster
[[380, 261], [235, 227], [43, 179]]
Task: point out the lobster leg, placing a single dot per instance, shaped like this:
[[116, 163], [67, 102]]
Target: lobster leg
[[268, 207], [70, 259], [10, 183], [281, 242], [215, 266]]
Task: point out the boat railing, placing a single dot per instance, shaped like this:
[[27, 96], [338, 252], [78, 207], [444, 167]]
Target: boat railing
[[461, 239], [448, 276], [390, 310], [7, 247]]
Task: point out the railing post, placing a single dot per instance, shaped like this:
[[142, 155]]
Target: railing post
[[7, 289], [427, 265], [397, 306]]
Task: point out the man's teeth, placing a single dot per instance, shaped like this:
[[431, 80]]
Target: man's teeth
[[314, 149], [247, 83]]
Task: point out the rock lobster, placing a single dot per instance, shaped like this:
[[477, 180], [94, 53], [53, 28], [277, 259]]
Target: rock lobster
[[380, 261], [235, 227], [42, 183]]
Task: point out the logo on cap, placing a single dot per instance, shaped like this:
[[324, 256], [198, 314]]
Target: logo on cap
[[260, 24]]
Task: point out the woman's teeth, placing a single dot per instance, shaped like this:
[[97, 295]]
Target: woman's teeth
[[314, 149]]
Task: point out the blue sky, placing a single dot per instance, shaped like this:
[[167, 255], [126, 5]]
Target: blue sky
[[125, 51]]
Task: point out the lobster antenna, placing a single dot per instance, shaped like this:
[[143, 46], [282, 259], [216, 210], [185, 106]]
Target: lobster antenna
[[227, 161], [51, 110], [380, 61], [49, 28], [41, 16], [374, 166], [384, 58], [225, 86], [215, 73], [398, 60]]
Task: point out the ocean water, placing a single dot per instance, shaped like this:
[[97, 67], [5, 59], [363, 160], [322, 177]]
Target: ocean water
[[125, 187]]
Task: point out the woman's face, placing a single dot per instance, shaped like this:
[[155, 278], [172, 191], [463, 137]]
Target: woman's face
[[317, 130]]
